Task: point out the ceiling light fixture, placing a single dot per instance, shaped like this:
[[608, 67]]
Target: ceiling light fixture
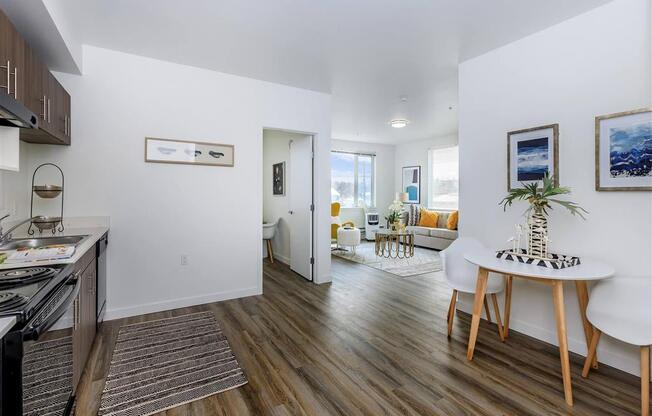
[[399, 123]]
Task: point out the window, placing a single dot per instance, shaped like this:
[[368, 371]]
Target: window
[[352, 179], [443, 188]]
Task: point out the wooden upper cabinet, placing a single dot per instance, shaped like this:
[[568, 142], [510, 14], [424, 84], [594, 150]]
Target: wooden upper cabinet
[[31, 83], [33, 98], [12, 60]]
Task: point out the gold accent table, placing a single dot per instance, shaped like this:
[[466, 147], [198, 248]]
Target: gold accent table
[[388, 244]]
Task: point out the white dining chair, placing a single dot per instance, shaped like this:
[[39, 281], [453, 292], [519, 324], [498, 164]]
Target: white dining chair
[[621, 307], [462, 276]]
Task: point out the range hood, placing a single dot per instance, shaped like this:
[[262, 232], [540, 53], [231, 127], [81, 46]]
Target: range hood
[[15, 114]]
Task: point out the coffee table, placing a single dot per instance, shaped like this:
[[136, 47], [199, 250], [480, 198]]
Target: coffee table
[[388, 244]]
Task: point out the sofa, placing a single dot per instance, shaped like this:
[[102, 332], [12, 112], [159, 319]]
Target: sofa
[[437, 238]]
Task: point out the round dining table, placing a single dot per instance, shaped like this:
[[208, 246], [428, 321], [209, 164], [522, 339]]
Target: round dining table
[[587, 270]]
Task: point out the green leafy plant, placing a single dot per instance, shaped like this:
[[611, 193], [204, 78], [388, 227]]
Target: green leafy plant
[[540, 198]]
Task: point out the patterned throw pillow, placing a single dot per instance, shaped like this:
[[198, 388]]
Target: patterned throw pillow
[[414, 212]]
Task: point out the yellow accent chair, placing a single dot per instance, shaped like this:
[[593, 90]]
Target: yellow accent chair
[[335, 220]]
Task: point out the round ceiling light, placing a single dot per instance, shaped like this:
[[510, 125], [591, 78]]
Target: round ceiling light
[[399, 123]]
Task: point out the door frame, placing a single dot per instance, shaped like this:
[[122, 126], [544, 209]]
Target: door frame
[[313, 137]]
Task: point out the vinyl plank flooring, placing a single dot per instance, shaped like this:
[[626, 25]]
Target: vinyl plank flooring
[[371, 343]]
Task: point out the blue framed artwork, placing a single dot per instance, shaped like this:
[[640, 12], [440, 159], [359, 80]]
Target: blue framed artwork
[[531, 154], [412, 184], [623, 151]]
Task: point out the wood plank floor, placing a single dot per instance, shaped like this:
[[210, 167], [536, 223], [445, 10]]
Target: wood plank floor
[[371, 343]]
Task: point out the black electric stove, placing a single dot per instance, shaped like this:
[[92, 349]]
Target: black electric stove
[[37, 297], [24, 290]]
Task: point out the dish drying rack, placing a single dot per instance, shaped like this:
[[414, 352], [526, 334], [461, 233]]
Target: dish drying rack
[[46, 192]]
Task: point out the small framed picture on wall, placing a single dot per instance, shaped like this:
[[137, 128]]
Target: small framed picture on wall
[[278, 179], [412, 184], [623, 151], [531, 154]]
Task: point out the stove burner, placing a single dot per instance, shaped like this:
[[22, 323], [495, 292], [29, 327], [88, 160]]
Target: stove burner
[[26, 275], [9, 300]]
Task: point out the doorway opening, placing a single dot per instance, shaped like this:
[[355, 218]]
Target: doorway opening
[[288, 200]]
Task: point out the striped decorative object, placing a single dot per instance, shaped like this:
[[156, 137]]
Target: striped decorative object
[[47, 377], [414, 211], [553, 261], [161, 364]]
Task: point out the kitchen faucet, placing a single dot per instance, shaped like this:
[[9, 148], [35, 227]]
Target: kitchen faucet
[[4, 236]]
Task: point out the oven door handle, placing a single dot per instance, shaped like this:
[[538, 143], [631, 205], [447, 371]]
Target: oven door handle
[[52, 310]]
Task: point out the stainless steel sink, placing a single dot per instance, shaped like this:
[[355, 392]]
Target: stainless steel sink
[[24, 243]]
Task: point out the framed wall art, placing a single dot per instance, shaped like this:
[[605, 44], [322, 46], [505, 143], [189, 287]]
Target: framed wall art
[[412, 184], [188, 152], [623, 151], [531, 153], [278, 179]]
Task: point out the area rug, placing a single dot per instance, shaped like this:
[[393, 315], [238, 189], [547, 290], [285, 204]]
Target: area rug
[[47, 377], [161, 364], [424, 260]]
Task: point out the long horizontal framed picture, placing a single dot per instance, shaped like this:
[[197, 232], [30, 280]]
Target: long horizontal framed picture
[[623, 151], [188, 152], [531, 154]]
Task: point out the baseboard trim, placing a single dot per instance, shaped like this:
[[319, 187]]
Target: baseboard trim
[[282, 259], [118, 313]]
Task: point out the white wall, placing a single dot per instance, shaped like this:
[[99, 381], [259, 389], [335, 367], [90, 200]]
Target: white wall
[[276, 149], [416, 154], [384, 177], [593, 64], [160, 211]]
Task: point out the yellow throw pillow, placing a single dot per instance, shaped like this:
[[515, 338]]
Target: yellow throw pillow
[[451, 223], [428, 218]]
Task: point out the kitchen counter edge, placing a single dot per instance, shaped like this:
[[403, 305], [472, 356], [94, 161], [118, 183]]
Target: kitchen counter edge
[[94, 234]]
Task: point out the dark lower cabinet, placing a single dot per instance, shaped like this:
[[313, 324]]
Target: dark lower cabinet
[[85, 315]]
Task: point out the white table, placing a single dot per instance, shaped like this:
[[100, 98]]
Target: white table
[[587, 270]]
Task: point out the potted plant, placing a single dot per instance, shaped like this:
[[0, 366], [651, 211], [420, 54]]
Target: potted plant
[[394, 215], [540, 199]]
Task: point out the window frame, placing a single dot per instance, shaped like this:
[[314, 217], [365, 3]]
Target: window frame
[[356, 187]]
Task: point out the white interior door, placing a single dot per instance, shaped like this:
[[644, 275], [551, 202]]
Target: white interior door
[[300, 179]]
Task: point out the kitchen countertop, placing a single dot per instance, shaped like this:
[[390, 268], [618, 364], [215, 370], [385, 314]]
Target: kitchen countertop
[[6, 324], [93, 234]]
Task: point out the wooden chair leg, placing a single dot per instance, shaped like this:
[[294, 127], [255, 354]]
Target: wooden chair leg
[[508, 305], [486, 309], [451, 312], [480, 290], [270, 251], [593, 346], [494, 299], [645, 381]]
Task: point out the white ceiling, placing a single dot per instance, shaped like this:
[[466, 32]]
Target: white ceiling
[[367, 53]]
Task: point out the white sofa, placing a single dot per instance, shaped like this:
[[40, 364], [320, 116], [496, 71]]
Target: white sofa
[[437, 238]]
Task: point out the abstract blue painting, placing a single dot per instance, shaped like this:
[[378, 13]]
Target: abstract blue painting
[[532, 159], [630, 151]]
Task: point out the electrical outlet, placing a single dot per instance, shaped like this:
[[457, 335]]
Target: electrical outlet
[[184, 259]]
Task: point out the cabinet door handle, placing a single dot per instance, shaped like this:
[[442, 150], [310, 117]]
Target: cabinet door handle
[[74, 318], [49, 106], [45, 106], [16, 82]]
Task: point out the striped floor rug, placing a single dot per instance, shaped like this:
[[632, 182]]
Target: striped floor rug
[[47, 377], [161, 364]]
